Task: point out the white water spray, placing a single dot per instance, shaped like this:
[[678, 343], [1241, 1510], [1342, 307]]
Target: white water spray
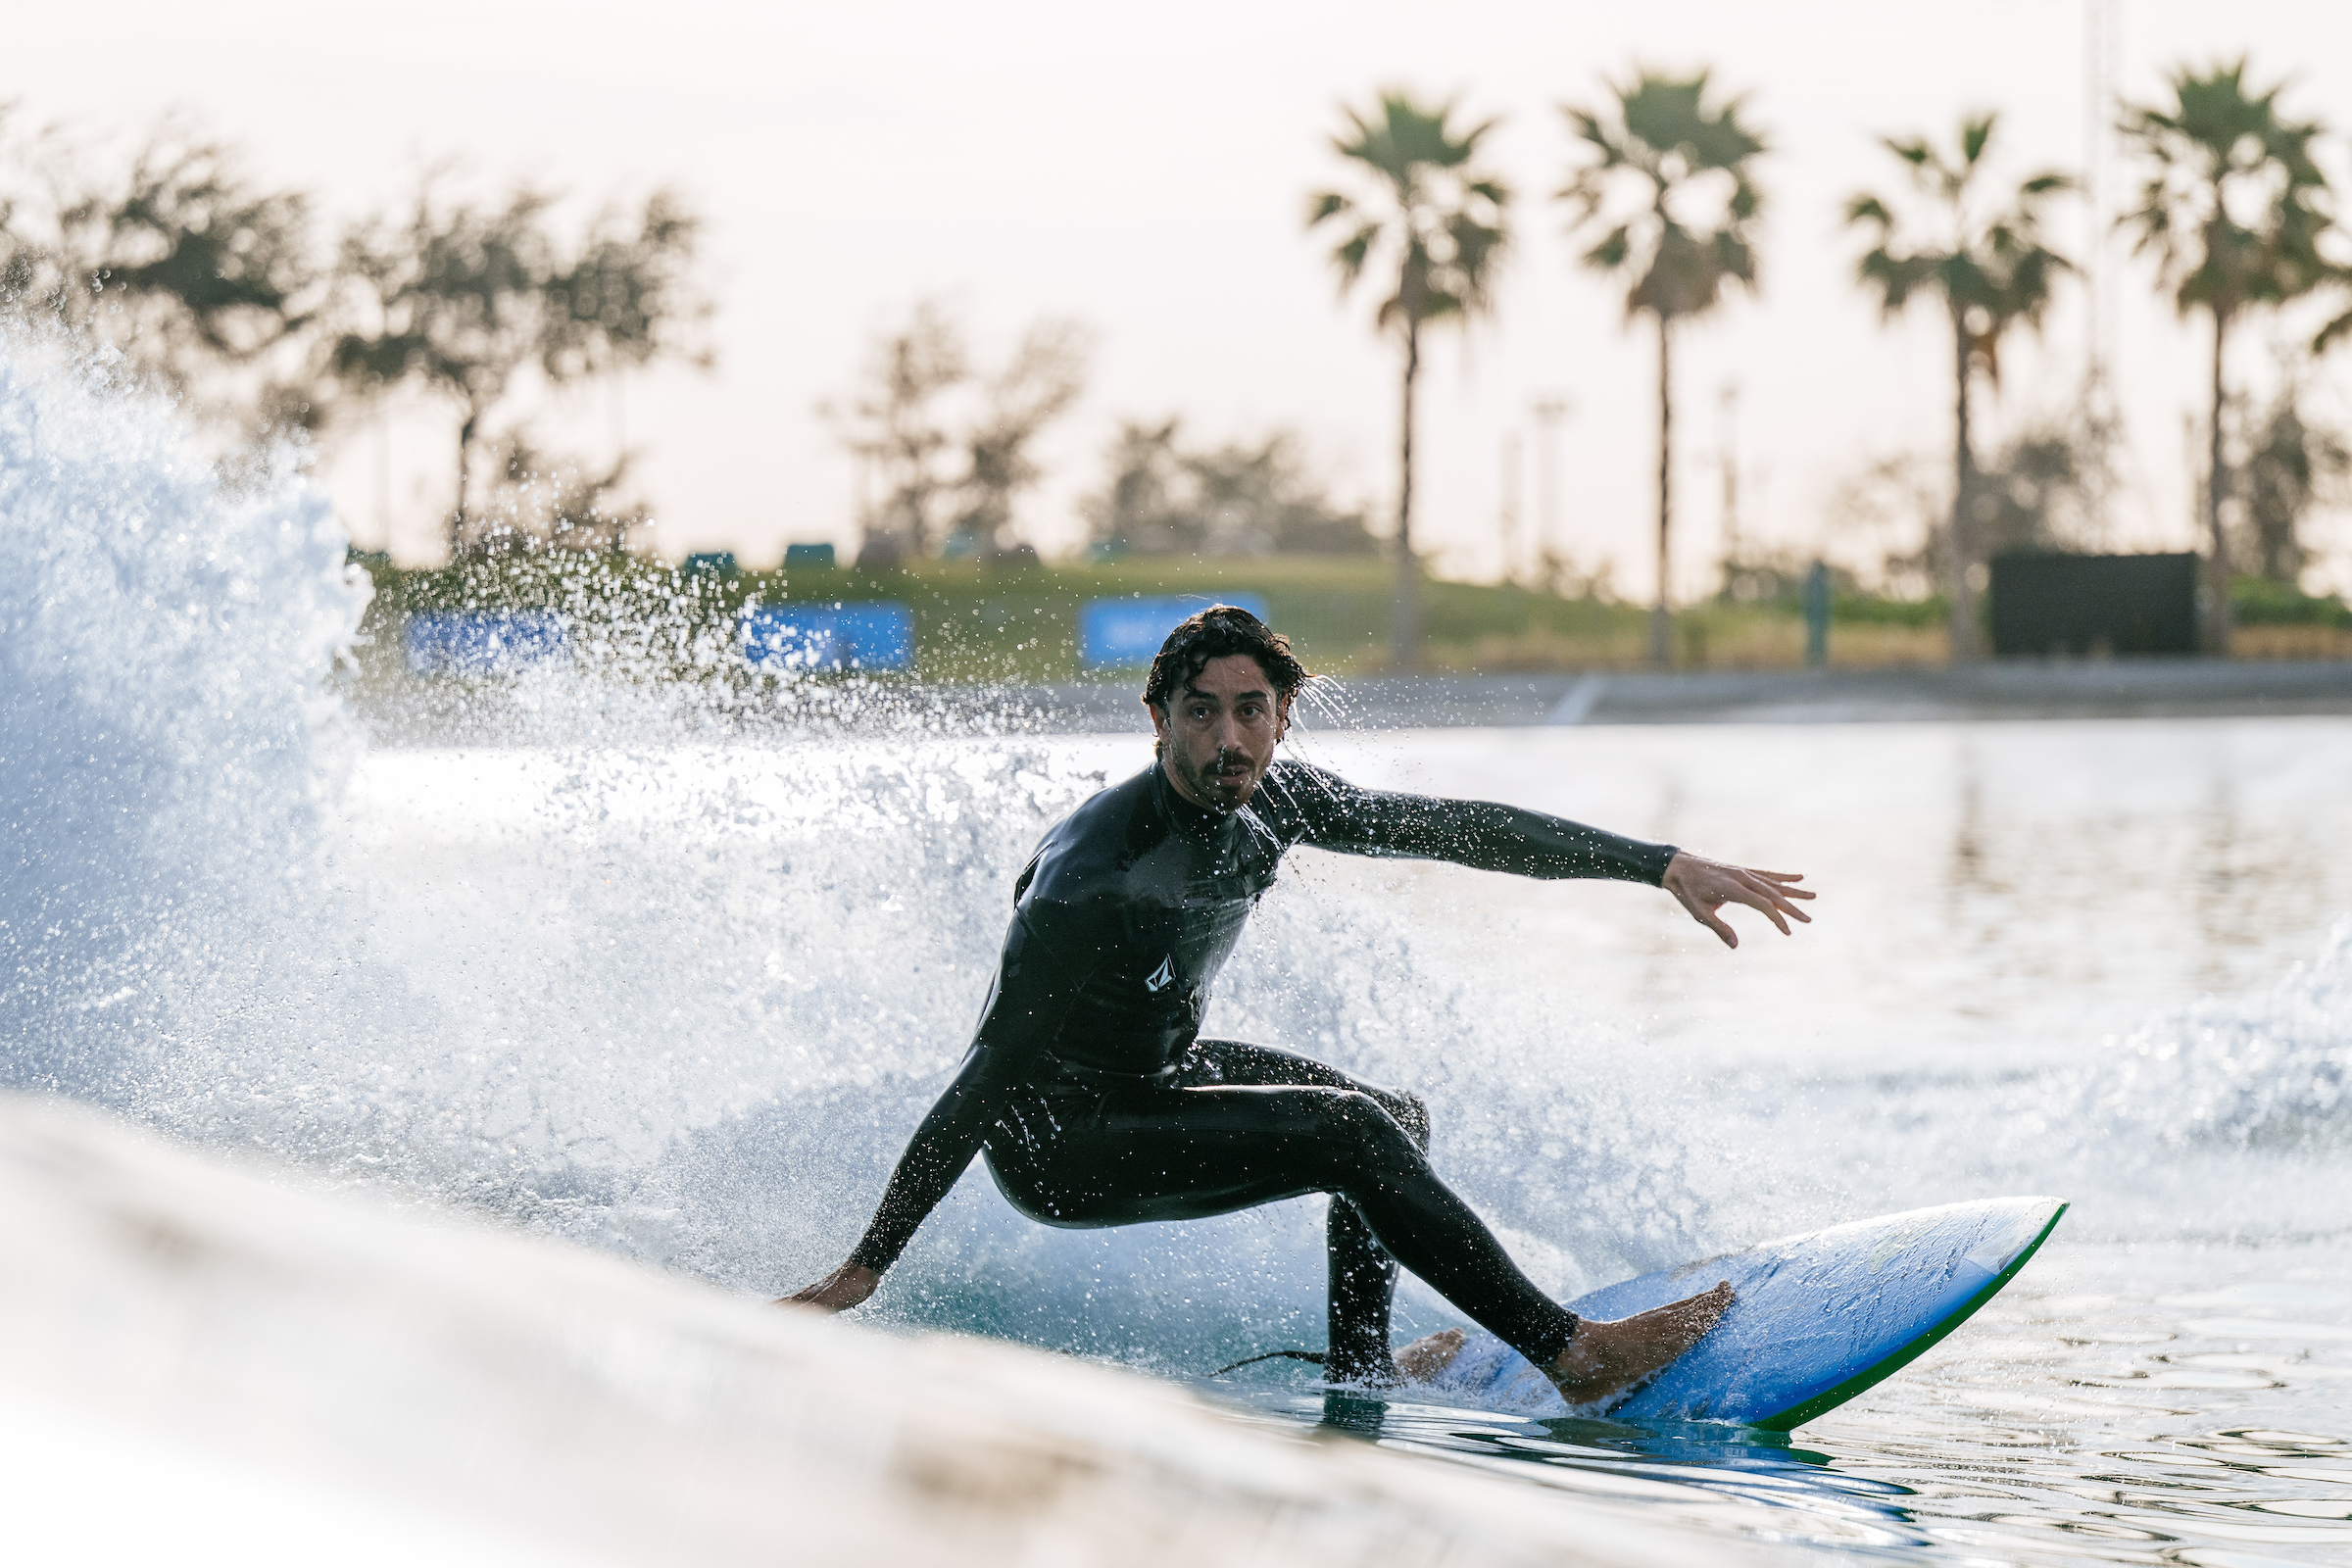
[[685, 997]]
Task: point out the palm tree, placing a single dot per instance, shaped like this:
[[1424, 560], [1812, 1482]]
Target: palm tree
[[1667, 188], [1429, 218], [2234, 210], [1991, 272]]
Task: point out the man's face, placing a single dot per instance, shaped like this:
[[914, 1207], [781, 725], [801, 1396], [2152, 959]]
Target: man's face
[[1219, 734]]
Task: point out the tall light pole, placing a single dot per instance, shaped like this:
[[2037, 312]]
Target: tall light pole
[[2101, 426], [2100, 38], [1508, 520], [1548, 409], [383, 475], [1727, 405]]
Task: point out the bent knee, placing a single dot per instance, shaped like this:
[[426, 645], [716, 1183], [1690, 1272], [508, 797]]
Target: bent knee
[[1407, 1110], [1412, 1115], [1375, 1128]]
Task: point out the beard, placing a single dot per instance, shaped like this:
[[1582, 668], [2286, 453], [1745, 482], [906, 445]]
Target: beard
[[1223, 780]]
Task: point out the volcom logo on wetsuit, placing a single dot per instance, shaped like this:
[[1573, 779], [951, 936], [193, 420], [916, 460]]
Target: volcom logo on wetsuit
[[1162, 977]]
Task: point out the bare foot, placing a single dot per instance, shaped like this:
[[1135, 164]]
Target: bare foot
[[837, 1292], [1429, 1355], [1603, 1361]]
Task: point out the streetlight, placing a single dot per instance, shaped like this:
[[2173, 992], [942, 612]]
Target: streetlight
[[1549, 408]]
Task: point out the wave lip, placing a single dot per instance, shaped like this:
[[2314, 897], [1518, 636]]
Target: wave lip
[[524, 1392]]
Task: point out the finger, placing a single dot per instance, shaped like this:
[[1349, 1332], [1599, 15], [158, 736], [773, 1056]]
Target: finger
[[1764, 901], [1716, 924], [1778, 883], [1777, 897], [1775, 876]]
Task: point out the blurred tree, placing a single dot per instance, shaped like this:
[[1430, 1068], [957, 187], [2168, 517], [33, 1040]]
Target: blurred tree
[[2234, 210], [1991, 270], [1240, 499], [199, 276], [1427, 216], [896, 426], [537, 499], [1144, 511], [1260, 497], [1037, 386], [461, 300], [1890, 518], [2291, 466], [953, 466], [2042, 490], [1667, 185]]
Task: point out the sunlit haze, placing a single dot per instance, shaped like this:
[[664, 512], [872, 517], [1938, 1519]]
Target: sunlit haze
[[1146, 169]]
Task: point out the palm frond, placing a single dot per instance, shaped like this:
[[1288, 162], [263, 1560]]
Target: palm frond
[[1325, 205], [1991, 272], [1975, 136], [2234, 205], [1868, 208], [1662, 133], [1427, 208]]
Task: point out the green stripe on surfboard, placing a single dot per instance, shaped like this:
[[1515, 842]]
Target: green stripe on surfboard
[[1830, 1398]]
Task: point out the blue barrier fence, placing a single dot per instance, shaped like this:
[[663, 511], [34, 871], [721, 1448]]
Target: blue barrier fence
[[454, 643], [878, 634], [1116, 632], [875, 635]]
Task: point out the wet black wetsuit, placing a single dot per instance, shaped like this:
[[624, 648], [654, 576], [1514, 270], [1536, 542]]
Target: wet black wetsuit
[[1098, 1103]]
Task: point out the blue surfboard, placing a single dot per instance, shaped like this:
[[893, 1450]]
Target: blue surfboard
[[1818, 1318]]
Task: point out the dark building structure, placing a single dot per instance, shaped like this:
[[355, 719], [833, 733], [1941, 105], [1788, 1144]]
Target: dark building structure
[[2082, 607]]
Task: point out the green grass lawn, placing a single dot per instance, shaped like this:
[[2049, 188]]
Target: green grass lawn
[[1020, 625]]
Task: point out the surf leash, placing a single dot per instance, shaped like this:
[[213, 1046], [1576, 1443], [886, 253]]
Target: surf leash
[[1316, 1356]]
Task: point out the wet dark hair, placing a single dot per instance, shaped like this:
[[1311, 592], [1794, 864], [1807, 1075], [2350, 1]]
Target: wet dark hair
[[1216, 632]]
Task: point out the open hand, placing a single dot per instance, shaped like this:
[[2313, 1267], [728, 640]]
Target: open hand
[[1705, 886], [837, 1290]]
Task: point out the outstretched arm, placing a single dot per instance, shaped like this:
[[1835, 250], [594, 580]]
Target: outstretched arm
[[1042, 966], [1314, 807], [1310, 805]]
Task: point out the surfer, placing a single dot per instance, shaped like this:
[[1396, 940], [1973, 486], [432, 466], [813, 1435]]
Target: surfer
[[1097, 1103]]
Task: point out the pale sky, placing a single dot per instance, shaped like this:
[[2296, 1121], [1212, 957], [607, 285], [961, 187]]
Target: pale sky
[[1145, 169]]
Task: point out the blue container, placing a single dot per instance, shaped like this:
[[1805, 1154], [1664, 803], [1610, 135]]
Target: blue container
[[1115, 633], [710, 562], [473, 643], [808, 556], [877, 634]]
